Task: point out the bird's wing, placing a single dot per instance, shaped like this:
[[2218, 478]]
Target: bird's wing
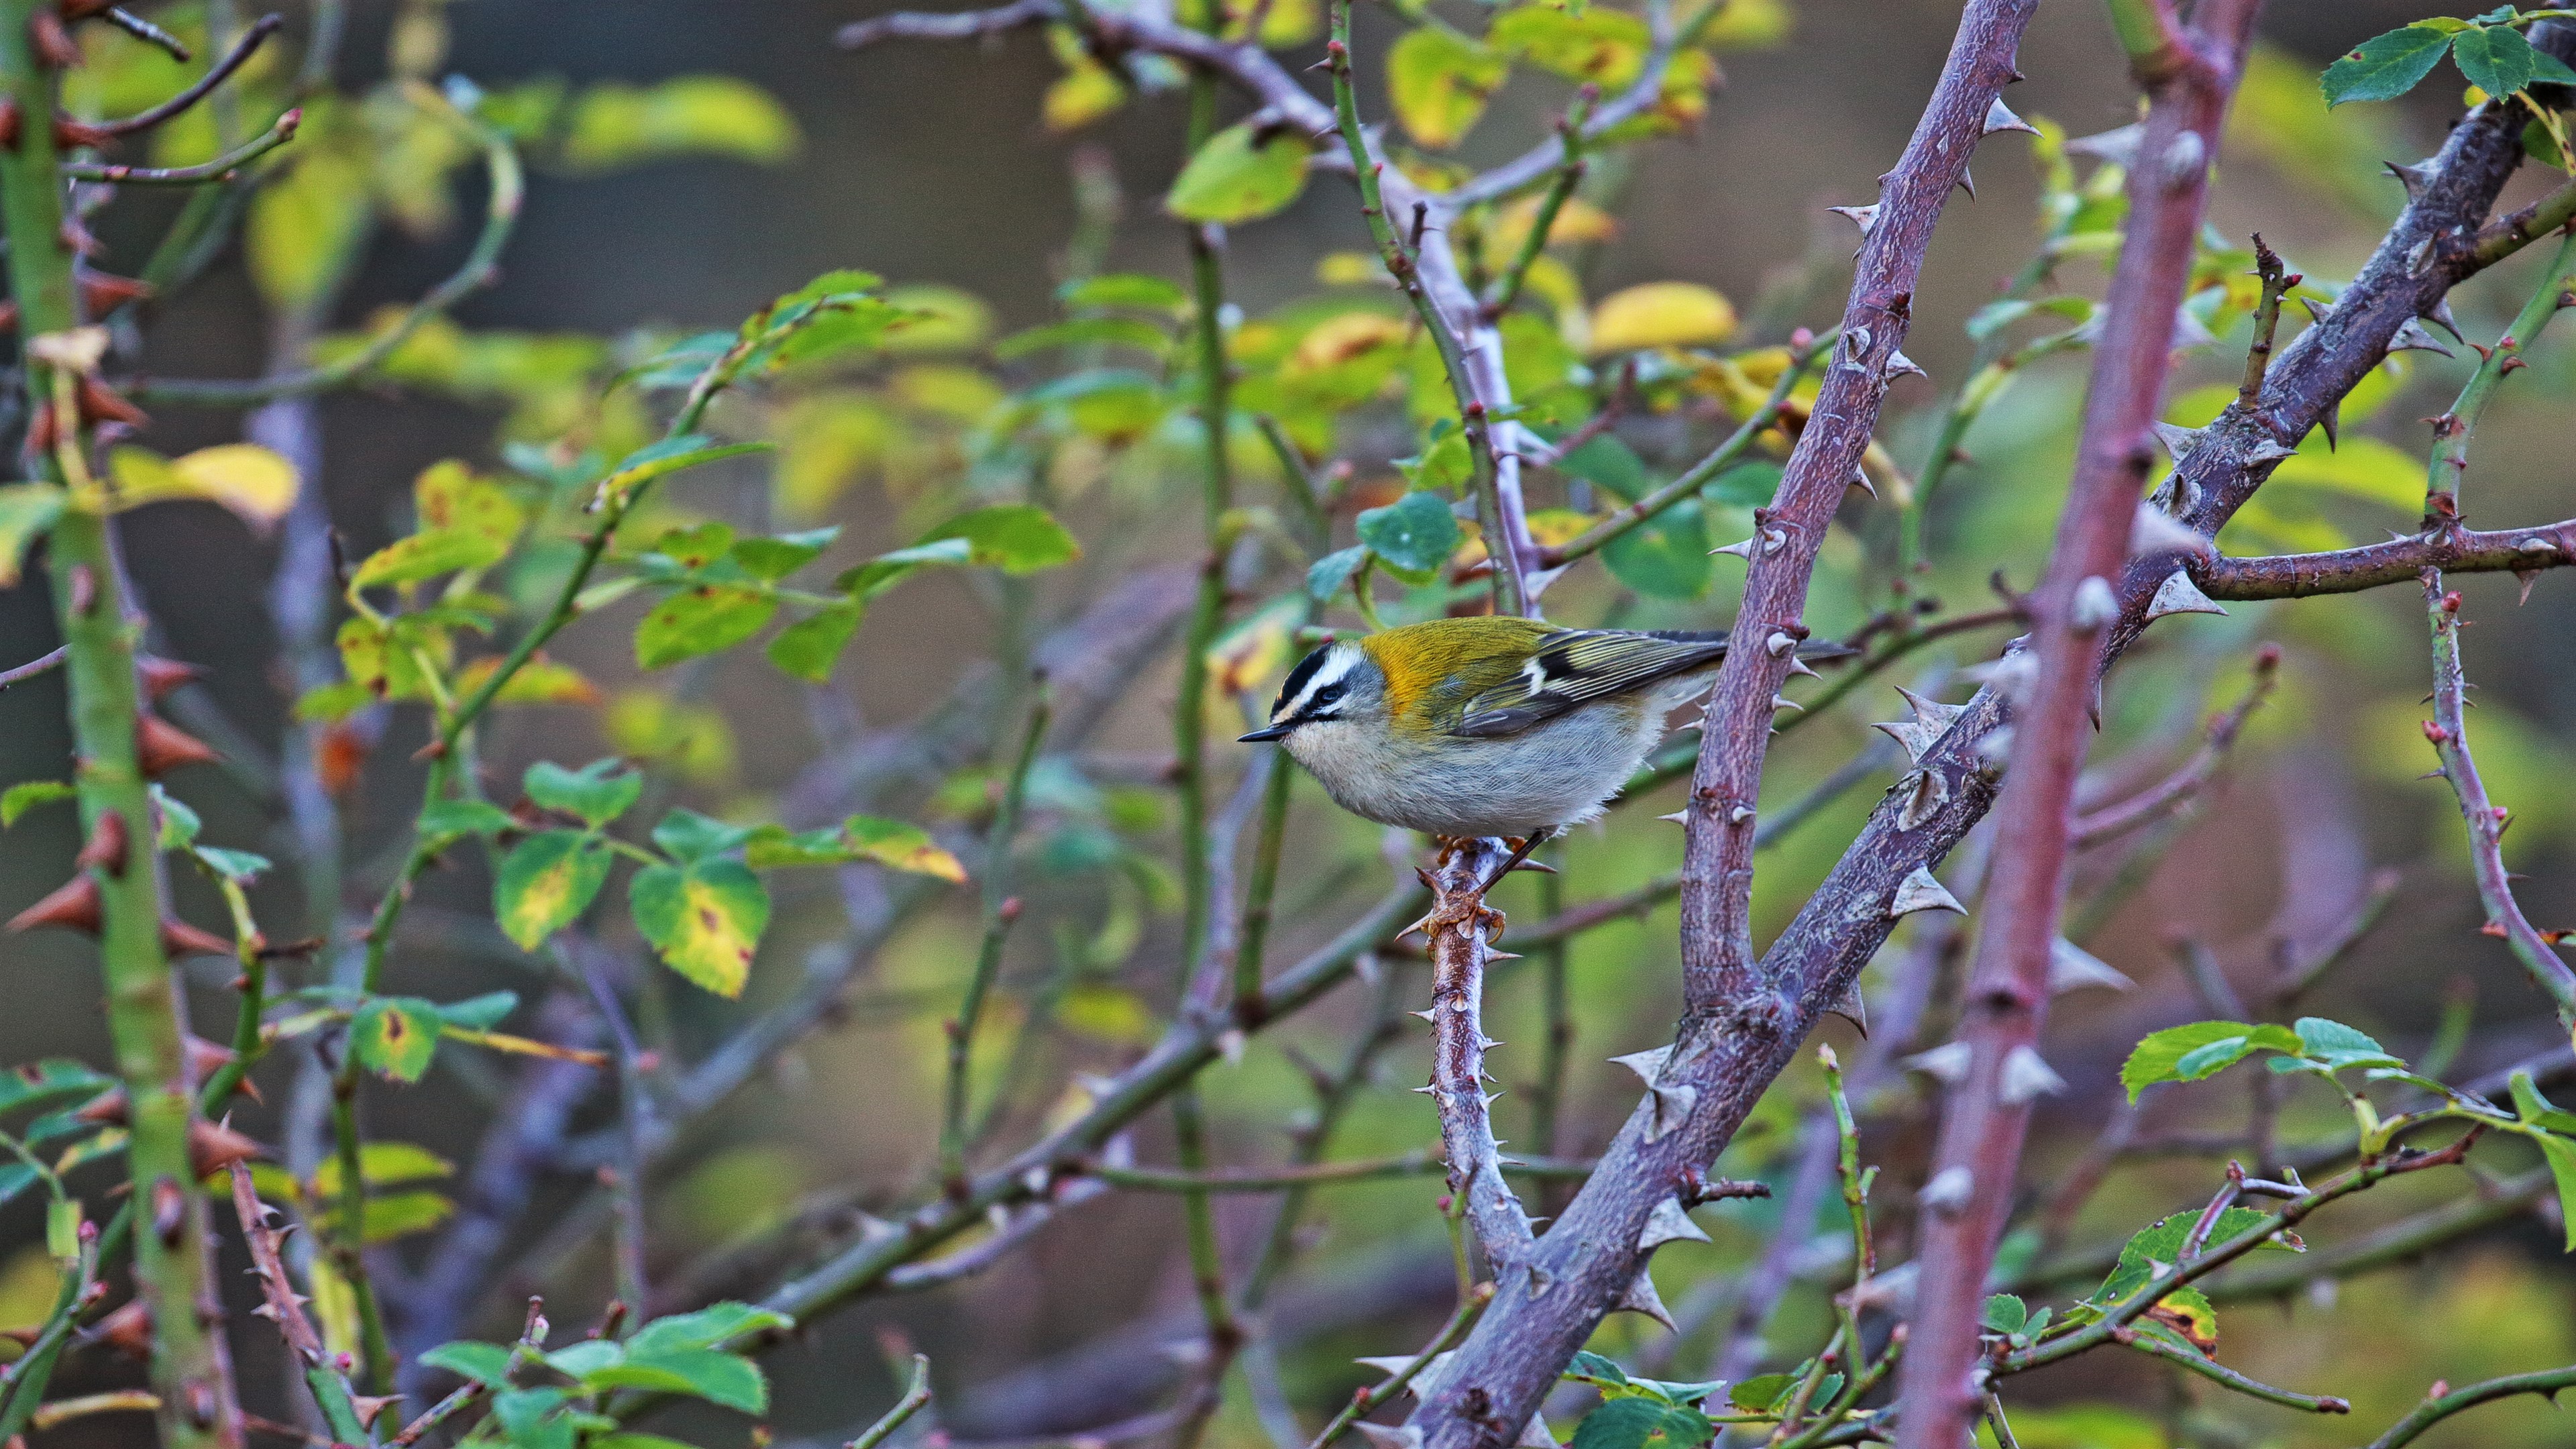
[[1574, 666]]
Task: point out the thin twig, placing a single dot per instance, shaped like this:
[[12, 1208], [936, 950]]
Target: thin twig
[[481, 267], [2184, 784], [1369, 1399], [219, 169], [252, 39], [915, 1396], [35, 666], [2437, 1407], [1001, 910]]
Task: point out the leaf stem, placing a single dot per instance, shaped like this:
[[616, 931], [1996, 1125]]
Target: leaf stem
[[1001, 910]]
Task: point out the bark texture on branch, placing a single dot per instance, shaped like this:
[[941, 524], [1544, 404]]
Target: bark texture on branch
[[1721, 1073], [1742, 1026], [2005, 1003], [1460, 928]]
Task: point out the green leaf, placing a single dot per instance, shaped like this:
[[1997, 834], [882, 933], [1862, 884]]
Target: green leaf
[[2384, 67], [26, 511], [28, 794], [1666, 557], [445, 821], [1233, 179], [1129, 332], [533, 1418], [886, 570], [545, 883], [720, 1378], [1438, 82], [480, 1013], [810, 647], [1016, 538], [1606, 462], [705, 919], [179, 823], [861, 837], [1122, 289], [614, 124], [687, 835], [2006, 1314], [2561, 1154], [581, 1360], [2159, 1057], [1598, 44], [1328, 575], [241, 867], [708, 1327], [1643, 1424], [595, 794], [1414, 535], [400, 1214], [1759, 1393], [2339, 1046], [484, 1363], [670, 455], [395, 1037], [2497, 61], [1591, 1367], [426, 556], [701, 619], [2162, 1242], [1746, 485], [776, 558], [31, 1083], [2538, 1110]]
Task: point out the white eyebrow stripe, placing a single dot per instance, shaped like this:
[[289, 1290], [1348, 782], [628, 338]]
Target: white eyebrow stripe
[[1336, 667]]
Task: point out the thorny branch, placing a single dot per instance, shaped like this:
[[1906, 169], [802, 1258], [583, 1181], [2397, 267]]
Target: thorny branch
[[1458, 928], [1986, 1115]]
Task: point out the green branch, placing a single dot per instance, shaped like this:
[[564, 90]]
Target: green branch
[[482, 264], [173, 1271], [1402, 264], [2547, 1383]]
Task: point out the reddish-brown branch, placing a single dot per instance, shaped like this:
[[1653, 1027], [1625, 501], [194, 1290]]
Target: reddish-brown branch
[[1717, 860], [2524, 551], [1589, 1260], [2174, 790], [2006, 999], [2448, 732], [1459, 928]]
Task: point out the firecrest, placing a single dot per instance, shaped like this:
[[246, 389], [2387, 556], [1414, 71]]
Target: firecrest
[[1490, 726]]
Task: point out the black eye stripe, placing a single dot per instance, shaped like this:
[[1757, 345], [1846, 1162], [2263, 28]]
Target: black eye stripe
[[1298, 676]]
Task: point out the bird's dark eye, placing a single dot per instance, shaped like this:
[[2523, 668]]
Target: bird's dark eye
[[1329, 694]]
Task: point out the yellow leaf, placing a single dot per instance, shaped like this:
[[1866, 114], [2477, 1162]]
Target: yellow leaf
[[1747, 24], [1106, 1013], [1254, 653], [300, 225], [1577, 221], [1660, 314], [1341, 339], [539, 681], [1557, 527], [1349, 269], [248, 479], [1083, 94], [1438, 81], [450, 496]]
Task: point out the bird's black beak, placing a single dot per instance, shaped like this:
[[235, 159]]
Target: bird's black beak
[[1264, 736]]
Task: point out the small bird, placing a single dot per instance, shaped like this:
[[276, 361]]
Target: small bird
[[1488, 726]]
